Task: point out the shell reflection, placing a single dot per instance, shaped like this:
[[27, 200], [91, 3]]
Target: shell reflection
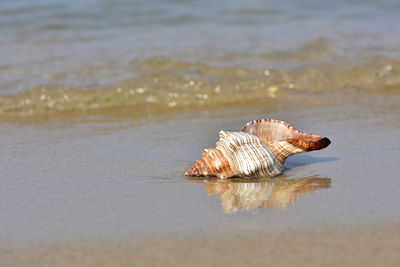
[[266, 193]]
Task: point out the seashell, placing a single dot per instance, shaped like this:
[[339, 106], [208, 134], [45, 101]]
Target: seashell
[[259, 150], [265, 193]]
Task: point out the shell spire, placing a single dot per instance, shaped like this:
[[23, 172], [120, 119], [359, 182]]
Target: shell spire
[[213, 162], [259, 150]]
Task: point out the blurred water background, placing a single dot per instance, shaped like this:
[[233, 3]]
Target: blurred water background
[[155, 56]]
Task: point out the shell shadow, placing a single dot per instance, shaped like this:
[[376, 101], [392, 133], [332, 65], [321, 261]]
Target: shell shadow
[[267, 193], [302, 159]]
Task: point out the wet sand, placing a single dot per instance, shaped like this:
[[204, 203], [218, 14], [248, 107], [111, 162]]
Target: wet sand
[[372, 245], [111, 192]]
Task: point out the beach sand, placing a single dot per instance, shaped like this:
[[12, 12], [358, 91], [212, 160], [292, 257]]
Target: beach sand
[[111, 192], [372, 245]]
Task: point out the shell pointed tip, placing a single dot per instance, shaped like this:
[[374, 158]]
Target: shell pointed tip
[[324, 142]]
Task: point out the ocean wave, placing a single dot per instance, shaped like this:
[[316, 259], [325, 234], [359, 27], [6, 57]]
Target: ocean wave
[[161, 84]]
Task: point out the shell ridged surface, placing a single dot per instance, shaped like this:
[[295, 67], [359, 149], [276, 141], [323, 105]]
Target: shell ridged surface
[[237, 154], [259, 150]]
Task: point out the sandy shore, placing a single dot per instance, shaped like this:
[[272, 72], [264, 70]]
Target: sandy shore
[[373, 245], [112, 193]]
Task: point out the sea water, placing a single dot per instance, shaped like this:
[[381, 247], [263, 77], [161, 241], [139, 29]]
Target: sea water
[[60, 56]]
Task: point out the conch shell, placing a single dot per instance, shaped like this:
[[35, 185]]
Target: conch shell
[[259, 150]]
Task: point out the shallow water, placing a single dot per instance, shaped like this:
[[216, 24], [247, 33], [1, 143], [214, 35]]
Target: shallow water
[[118, 178]]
